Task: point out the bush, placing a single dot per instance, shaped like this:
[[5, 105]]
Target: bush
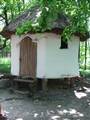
[[5, 65], [85, 73]]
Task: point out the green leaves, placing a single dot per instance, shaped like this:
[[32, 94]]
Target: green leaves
[[12, 7], [24, 28], [77, 10]]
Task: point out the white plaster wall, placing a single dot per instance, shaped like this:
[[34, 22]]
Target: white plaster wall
[[15, 51], [41, 58], [52, 62], [61, 62]]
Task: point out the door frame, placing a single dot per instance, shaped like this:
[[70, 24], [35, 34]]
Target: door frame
[[33, 57]]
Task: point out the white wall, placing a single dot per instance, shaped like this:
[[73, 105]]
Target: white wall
[[61, 62], [15, 51], [52, 62], [41, 57]]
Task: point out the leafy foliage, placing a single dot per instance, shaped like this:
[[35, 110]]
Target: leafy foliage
[[5, 65], [24, 28], [78, 12], [13, 8], [9, 9]]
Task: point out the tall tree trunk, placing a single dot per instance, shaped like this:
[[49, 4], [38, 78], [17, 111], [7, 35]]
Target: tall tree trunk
[[23, 1], [79, 55], [6, 16], [12, 14], [6, 22], [85, 67]]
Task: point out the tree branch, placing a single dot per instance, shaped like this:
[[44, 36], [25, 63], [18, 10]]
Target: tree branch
[[1, 19], [2, 16], [4, 45]]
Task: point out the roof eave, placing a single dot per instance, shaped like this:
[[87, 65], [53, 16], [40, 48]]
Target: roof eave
[[83, 37], [6, 34]]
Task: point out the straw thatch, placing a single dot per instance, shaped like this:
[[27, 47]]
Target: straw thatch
[[32, 14]]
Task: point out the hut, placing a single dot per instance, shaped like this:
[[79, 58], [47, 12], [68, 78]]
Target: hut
[[43, 55]]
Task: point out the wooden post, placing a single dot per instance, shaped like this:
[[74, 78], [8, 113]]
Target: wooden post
[[2, 115], [44, 84], [1, 110]]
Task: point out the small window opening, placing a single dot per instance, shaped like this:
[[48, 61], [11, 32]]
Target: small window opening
[[64, 43]]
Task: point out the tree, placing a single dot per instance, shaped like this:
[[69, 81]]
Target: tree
[[9, 9], [78, 12]]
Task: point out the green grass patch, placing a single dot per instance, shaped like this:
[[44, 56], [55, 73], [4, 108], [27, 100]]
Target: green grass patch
[[5, 65], [85, 73]]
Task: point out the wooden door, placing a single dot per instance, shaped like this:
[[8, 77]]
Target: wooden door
[[28, 53]]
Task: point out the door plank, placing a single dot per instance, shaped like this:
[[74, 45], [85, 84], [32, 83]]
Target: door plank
[[28, 56]]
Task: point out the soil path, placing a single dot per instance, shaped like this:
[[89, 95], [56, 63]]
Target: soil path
[[55, 105]]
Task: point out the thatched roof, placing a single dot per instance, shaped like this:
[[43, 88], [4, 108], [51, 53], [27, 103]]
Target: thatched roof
[[32, 14]]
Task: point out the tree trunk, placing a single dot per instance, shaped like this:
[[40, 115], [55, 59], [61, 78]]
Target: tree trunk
[[85, 67], [6, 16], [23, 1]]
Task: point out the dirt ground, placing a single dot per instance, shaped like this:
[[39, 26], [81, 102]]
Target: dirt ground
[[56, 104]]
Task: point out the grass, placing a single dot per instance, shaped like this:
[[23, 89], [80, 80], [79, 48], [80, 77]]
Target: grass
[[85, 73], [5, 65]]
